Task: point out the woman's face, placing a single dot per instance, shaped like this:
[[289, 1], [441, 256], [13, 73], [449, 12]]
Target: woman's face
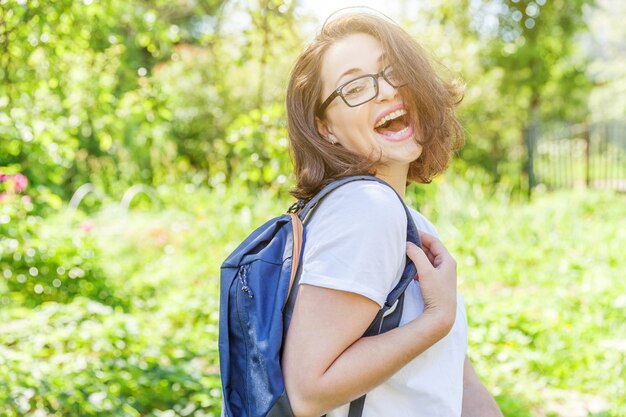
[[356, 128]]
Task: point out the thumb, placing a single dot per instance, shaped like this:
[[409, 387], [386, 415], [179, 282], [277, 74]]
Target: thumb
[[419, 258]]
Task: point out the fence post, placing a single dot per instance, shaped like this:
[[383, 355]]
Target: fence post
[[587, 138], [530, 138]]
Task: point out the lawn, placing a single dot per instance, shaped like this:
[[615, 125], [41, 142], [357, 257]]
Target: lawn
[[543, 283]]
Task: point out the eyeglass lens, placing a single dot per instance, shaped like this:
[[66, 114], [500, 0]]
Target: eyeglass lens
[[365, 88]]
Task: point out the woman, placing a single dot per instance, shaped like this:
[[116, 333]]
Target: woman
[[363, 99]]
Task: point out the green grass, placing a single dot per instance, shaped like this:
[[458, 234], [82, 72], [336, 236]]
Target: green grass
[[545, 295], [543, 284]]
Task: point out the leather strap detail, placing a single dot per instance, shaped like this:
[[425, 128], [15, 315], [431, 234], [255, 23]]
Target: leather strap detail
[[298, 231]]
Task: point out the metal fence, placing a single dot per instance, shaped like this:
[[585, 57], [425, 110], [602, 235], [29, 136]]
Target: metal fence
[[584, 155]]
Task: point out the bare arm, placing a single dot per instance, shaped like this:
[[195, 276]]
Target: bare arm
[[477, 402], [327, 362]]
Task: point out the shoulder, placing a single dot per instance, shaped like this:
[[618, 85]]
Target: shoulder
[[360, 201], [371, 194], [355, 240], [364, 210]]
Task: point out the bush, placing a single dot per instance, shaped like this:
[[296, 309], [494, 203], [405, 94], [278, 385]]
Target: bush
[[85, 358], [46, 261]]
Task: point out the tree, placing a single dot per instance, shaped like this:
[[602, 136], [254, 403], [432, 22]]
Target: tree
[[521, 61]]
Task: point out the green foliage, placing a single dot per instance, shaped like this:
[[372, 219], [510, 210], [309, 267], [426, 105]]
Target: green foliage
[[85, 358], [195, 108], [264, 164], [40, 263], [607, 37], [156, 357], [76, 101], [535, 44], [116, 93], [543, 289], [115, 313], [541, 284], [521, 60]]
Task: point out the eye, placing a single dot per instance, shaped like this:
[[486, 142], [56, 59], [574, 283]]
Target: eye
[[393, 77], [354, 90], [357, 87]]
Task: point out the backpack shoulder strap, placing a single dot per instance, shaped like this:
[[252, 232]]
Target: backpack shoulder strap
[[412, 235], [378, 325]]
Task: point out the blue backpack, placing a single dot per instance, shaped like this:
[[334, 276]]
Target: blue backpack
[[258, 289]]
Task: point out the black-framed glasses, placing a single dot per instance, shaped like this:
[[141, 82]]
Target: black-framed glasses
[[361, 89]]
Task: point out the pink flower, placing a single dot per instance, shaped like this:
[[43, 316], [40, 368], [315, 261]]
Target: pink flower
[[20, 182], [87, 226]]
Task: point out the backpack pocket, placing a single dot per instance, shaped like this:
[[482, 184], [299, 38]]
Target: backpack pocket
[[260, 331]]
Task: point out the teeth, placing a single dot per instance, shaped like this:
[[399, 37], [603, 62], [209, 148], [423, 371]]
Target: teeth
[[390, 116], [398, 133]]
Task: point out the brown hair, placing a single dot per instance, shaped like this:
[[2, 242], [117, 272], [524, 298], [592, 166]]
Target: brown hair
[[429, 100]]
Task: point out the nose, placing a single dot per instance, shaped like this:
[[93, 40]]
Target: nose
[[386, 91]]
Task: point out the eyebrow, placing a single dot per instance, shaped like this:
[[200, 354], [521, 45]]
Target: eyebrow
[[381, 58]]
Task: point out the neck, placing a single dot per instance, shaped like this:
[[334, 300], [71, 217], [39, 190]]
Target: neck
[[395, 176]]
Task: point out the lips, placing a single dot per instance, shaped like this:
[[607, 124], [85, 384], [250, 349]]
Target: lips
[[387, 111], [394, 124], [398, 136]]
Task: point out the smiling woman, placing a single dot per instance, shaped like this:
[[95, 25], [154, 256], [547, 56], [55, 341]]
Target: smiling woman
[[358, 127], [364, 99], [375, 68]]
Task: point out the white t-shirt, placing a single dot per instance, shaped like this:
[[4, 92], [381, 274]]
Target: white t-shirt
[[356, 241]]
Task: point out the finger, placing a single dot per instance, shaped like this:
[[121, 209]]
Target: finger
[[427, 237], [419, 258], [429, 254], [433, 244]]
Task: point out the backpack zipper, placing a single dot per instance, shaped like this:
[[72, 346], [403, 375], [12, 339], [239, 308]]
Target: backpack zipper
[[244, 280], [241, 274]]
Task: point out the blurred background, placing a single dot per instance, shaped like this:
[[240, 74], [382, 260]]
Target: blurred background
[[141, 141]]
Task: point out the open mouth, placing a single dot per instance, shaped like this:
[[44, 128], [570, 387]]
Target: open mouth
[[394, 124]]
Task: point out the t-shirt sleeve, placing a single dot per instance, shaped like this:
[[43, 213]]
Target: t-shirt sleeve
[[425, 225], [356, 241], [461, 307]]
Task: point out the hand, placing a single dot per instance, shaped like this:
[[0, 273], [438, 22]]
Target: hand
[[436, 272]]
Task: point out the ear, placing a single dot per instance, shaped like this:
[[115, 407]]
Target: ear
[[322, 127]]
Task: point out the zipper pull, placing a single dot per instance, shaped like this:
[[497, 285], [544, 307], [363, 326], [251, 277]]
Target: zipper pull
[[248, 291], [244, 281]]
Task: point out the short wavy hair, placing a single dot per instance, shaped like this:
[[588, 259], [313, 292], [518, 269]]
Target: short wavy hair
[[429, 99]]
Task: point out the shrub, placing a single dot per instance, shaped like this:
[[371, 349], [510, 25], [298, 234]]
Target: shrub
[[39, 264]]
